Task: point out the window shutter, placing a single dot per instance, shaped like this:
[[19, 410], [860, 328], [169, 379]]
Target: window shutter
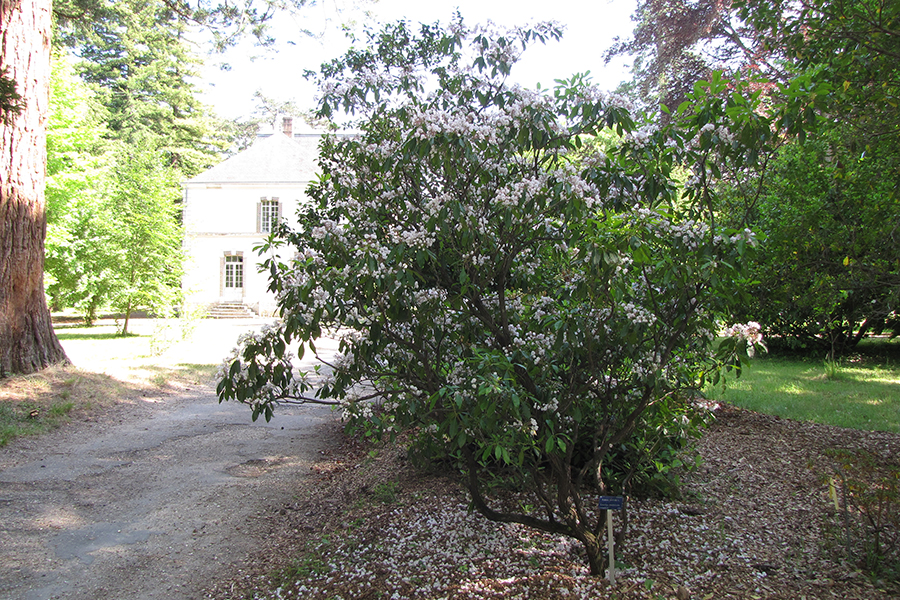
[[259, 215], [279, 211], [221, 276]]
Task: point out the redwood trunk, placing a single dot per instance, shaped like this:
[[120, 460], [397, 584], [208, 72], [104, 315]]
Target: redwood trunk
[[27, 340]]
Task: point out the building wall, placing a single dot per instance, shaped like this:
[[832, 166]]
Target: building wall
[[220, 220]]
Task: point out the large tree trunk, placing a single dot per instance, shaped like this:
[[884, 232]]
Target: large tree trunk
[[27, 340]]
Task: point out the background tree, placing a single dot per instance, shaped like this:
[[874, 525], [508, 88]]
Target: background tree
[[266, 112], [142, 65], [27, 340], [114, 239], [521, 305], [77, 269], [139, 64], [841, 178], [828, 271], [676, 43], [145, 240]]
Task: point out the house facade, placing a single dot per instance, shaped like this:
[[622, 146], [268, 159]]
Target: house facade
[[232, 207]]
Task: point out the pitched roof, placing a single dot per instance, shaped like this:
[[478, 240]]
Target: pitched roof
[[273, 159]]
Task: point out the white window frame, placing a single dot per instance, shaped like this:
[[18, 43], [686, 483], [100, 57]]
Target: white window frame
[[268, 213], [233, 272]]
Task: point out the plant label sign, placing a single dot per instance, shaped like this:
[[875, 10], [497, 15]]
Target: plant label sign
[[611, 502]]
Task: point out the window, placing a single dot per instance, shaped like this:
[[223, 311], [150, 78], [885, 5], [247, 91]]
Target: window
[[234, 272], [267, 215]]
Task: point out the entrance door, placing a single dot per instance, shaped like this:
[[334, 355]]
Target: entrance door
[[234, 278]]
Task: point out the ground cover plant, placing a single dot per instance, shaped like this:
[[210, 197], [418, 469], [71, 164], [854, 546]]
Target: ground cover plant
[[526, 280]]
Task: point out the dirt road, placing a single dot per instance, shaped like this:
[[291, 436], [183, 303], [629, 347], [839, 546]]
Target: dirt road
[[152, 500]]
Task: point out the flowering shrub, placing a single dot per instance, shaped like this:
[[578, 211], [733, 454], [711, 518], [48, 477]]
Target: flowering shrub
[[507, 288]]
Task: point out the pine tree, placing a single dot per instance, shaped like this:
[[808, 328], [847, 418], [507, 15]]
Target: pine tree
[[142, 64]]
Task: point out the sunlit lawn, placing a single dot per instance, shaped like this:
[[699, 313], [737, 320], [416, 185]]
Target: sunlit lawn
[[862, 394]]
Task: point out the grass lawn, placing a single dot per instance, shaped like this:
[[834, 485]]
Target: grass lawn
[[862, 392]]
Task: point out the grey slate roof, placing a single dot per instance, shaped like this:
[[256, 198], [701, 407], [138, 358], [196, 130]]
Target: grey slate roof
[[273, 159]]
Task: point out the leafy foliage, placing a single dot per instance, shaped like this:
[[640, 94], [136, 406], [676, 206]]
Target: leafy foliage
[[828, 273], [865, 490], [76, 267], [9, 97], [676, 43], [141, 64], [113, 234], [227, 22], [146, 240], [516, 299], [828, 201], [119, 146]]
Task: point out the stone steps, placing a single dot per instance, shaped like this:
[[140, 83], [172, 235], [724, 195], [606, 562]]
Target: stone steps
[[230, 310]]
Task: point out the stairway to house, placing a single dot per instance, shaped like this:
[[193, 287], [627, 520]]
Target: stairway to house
[[230, 310]]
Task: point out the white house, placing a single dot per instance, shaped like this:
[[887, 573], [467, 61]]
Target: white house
[[231, 208]]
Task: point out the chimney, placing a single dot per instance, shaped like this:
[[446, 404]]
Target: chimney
[[288, 127]]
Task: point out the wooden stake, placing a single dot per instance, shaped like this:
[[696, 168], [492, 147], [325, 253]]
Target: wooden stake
[[612, 555]]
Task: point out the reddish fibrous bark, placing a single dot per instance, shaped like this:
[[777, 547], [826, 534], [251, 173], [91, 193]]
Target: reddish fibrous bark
[[27, 340]]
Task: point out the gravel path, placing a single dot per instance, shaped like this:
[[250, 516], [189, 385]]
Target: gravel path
[[159, 497], [156, 501]]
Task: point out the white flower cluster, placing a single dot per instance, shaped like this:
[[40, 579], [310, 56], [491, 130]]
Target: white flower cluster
[[722, 133], [414, 238], [623, 265], [648, 366], [747, 236], [422, 297], [352, 409], [536, 344], [689, 232], [552, 405], [578, 187], [520, 191], [431, 122], [433, 207], [383, 149], [328, 227], [641, 137], [638, 314], [526, 100], [541, 305], [477, 259], [527, 263], [315, 255], [343, 361], [751, 332]]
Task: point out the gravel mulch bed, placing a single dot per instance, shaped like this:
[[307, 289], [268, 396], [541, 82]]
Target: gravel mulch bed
[[755, 521]]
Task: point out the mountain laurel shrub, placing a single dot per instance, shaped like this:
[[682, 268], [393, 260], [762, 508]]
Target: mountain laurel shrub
[[517, 295]]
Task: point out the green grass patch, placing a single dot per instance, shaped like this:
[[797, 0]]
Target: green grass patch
[[858, 393], [87, 334], [26, 418]]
